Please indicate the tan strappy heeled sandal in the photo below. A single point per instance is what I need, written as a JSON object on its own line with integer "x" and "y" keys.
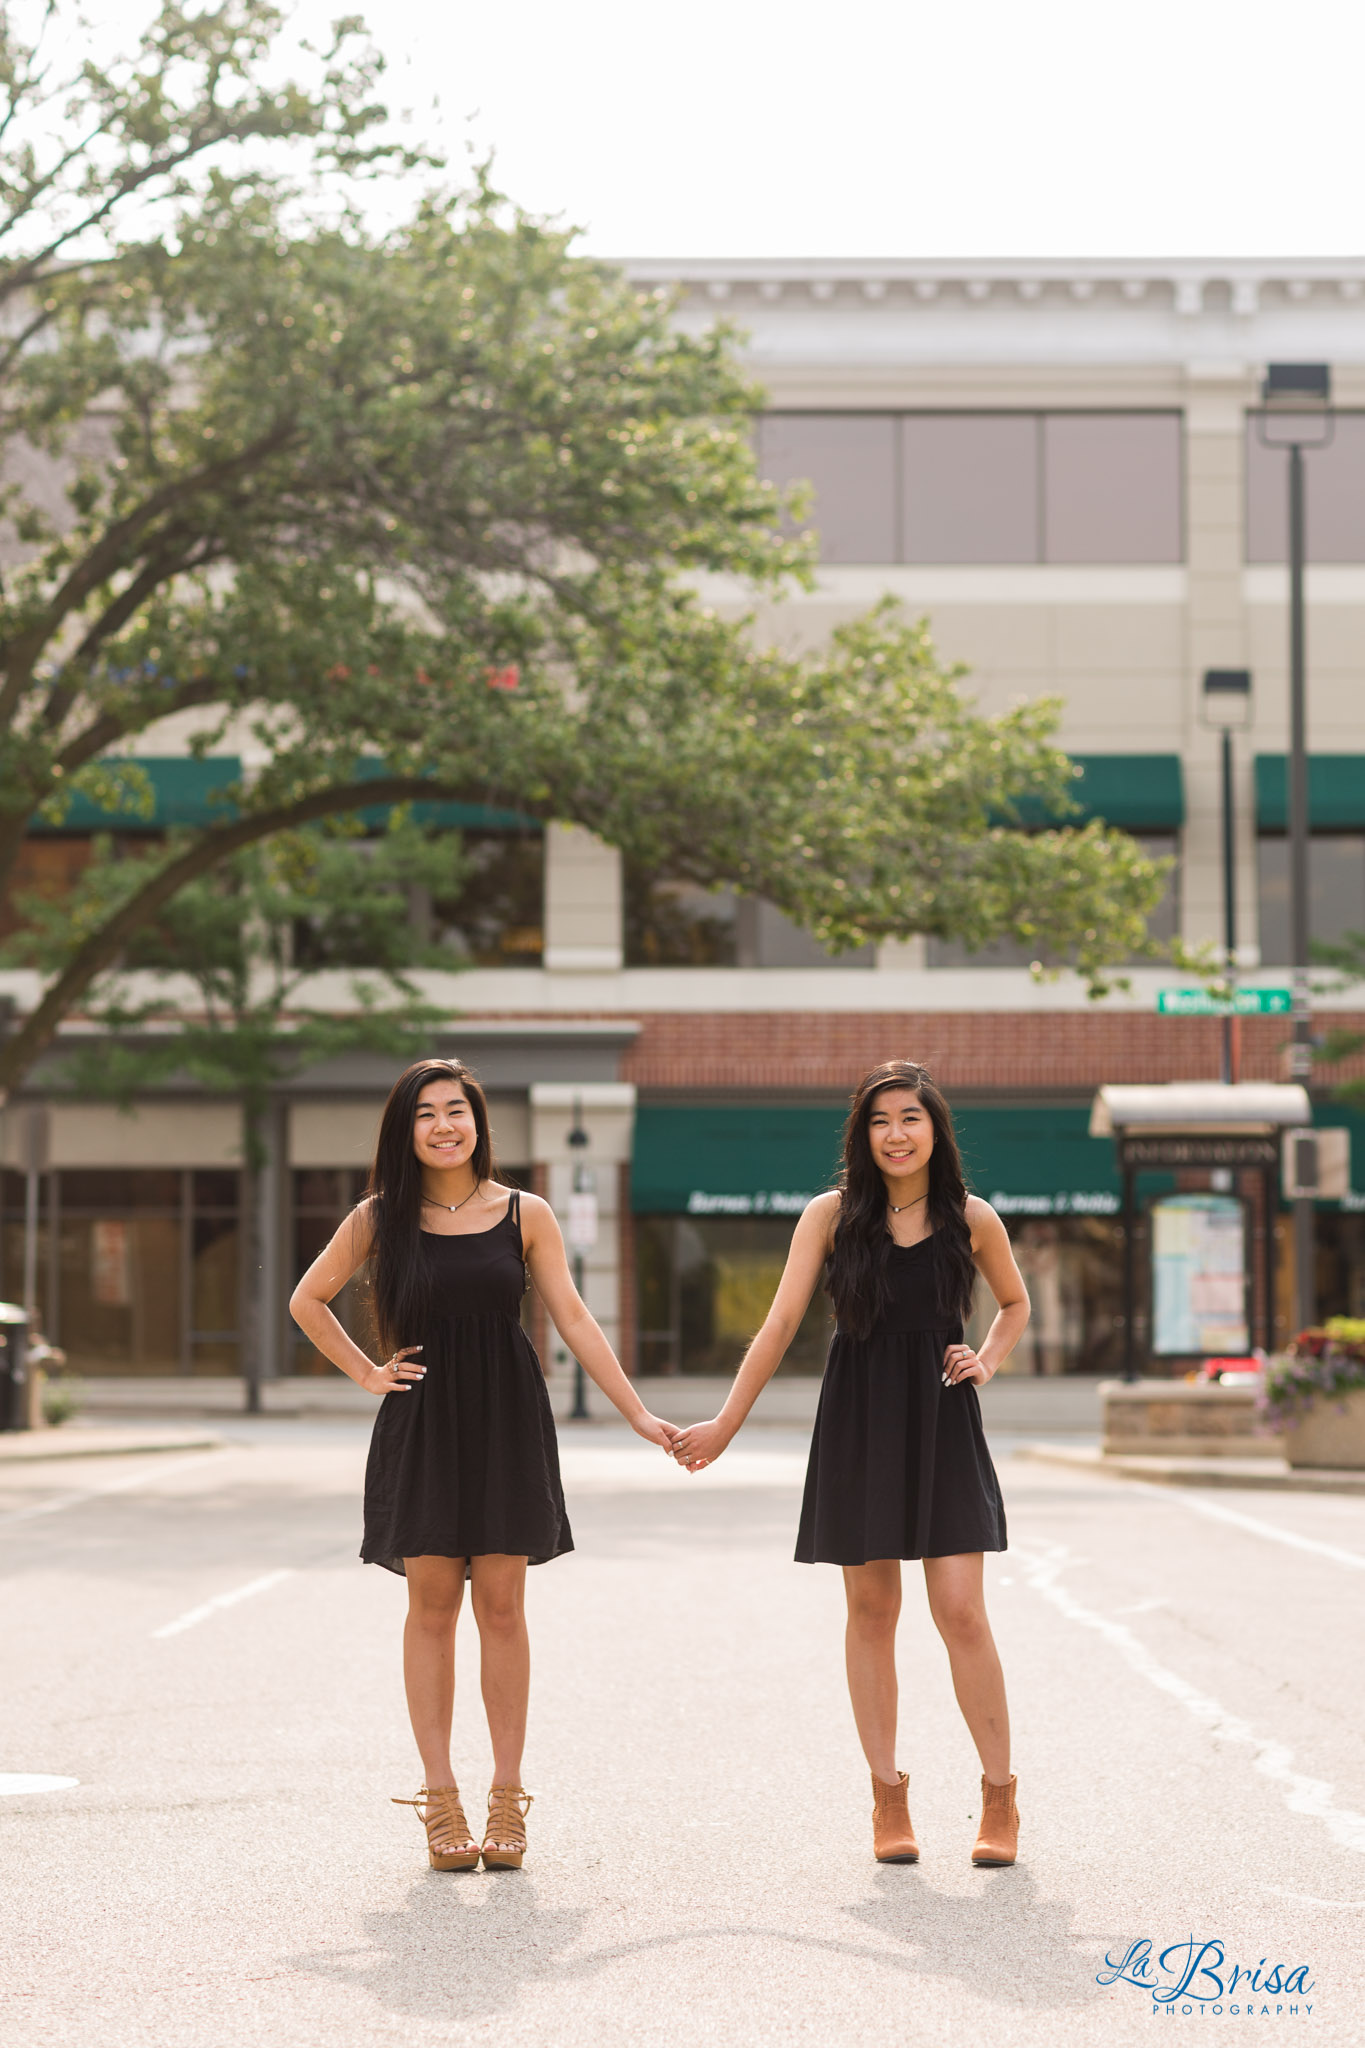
{"x": 507, "y": 1810}
{"x": 442, "y": 1815}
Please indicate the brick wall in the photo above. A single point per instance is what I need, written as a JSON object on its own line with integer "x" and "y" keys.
{"x": 1015, "y": 1050}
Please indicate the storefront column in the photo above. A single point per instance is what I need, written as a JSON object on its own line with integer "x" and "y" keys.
{"x": 273, "y": 1224}
{"x": 606, "y": 1111}
{"x": 583, "y": 903}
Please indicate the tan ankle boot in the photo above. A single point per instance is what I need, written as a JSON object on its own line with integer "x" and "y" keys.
{"x": 893, "y": 1838}
{"x": 997, "y": 1838}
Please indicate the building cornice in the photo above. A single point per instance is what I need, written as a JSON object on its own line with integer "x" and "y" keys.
{"x": 1237, "y": 283}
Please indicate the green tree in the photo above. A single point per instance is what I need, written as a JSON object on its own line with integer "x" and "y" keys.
{"x": 322, "y": 490}
{"x": 215, "y": 993}
{"x": 1346, "y": 956}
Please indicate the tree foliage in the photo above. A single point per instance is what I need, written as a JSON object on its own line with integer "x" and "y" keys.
{"x": 324, "y": 488}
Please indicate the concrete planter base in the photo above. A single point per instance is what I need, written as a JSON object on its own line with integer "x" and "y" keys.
{"x": 1181, "y": 1419}
{"x": 1331, "y": 1434}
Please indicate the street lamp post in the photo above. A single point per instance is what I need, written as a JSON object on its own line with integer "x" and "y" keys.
{"x": 582, "y": 1236}
{"x": 1227, "y": 709}
{"x": 1296, "y": 415}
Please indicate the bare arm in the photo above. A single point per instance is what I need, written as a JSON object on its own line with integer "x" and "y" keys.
{"x": 703, "y": 1442}
{"x": 544, "y": 1247}
{"x": 324, "y": 1280}
{"x": 996, "y": 1265}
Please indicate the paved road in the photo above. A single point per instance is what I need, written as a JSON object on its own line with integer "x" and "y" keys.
{"x": 1186, "y": 1676}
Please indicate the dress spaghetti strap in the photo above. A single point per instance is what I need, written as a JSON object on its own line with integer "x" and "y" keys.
{"x": 514, "y": 1212}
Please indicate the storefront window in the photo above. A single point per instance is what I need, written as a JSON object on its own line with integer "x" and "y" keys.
{"x": 704, "y": 1286}
{"x": 138, "y": 1271}
{"x": 323, "y": 1198}
{"x": 1072, "y": 1267}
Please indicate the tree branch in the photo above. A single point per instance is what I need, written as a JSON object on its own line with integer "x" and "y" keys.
{"x": 102, "y": 948}
{"x": 107, "y": 556}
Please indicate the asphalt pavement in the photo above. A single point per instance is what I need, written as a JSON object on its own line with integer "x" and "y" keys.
{"x": 190, "y": 1637}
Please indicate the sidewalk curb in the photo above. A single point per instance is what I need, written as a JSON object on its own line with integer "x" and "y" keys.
{"x": 1266, "y": 1474}
{"x": 38, "y": 1447}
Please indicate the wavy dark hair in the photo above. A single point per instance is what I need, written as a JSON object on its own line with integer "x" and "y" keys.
{"x": 858, "y": 1280}
{"x": 400, "y": 1275}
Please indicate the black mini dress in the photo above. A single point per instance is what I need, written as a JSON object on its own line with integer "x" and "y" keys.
{"x": 898, "y": 1462}
{"x": 467, "y": 1464}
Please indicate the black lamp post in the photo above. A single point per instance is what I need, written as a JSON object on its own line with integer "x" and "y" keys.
{"x": 579, "y": 1239}
{"x": 1296, "y": 415}
{"x": 1227, "y": 708}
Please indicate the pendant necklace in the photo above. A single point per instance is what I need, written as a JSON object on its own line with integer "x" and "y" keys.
{"x": 896, "y": 1207}
{"x": 452, "y": 1206}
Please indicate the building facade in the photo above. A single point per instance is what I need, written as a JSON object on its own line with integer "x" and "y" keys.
{"x": 1061, "y": 466}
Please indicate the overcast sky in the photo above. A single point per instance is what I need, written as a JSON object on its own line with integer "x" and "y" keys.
{"x": 898, "y": 127}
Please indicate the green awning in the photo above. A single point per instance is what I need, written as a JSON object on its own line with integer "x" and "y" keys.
{"x": 1137, "y": 792}
{"x": 186, "y": 791}
{"x": 1336, "y": 792}
{"x": 768, "y": 1160}
{"x": 729, "y": 1159}
{"x": 1326, "y": 1115}
{"x": 1038, "y": 1160}
{"x": 462, "y": 817}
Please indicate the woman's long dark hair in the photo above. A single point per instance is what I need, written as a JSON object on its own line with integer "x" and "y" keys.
{"x": 858, "y": 1281}
{"x": 401, "y": 1298}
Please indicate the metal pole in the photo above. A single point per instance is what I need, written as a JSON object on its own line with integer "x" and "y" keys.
{"x": 579, "y": 1411}
{"x": 1301, "y": 1050}
{"x": 35, "y": 1159}
{"x": 1230, "y": 1062}
{"x": 1129, "y": 1274}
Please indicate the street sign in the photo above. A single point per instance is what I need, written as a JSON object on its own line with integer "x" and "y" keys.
{"x": 1245, "y": 1002}
{"x": 1195, "y": 1148}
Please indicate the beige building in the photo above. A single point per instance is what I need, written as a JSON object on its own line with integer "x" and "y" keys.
{"x": 1060, "y": 465}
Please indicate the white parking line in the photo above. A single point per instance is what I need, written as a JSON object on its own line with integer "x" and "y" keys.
{"x": 1301, "y": 1794}
{"x": 198, "y": 1614}
{"x": 1216, "y": 1512}
{"x": 121, "y": 1485}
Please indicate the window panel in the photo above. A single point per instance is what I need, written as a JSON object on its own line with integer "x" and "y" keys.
{"x": 1336, "y": 890}
{"x": 1162, "y": 925}
{"x": 1334, "y": 496}
{"x": 850, "y": 458}
{"x": 969, "y": 487}
{"x": 764, "y": 937}
{"x": 1111, "y": 487}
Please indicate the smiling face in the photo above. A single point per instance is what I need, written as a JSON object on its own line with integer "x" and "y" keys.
{"x": 900, "y": 1133}
{"x": 444, "y": 1132}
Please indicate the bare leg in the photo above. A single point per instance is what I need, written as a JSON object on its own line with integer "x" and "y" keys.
{"x": 958, "y": 1604}
{"x": 873, "y": 1592}
{"x": 499, "y": 1588}
{"x": 435, "y": 1590}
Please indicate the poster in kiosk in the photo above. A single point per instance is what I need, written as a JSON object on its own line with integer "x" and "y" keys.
{"x": 1212, "y": 1279}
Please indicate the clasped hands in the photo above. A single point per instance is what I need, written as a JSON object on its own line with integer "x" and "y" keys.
{"x": 701, "y": 1443}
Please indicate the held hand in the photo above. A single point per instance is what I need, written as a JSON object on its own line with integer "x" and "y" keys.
{"x": 700, "y": 1444}
{"x": 961, "y": 1364}
{"x": 397, "y": 1374}
{"x": 654, "y": 1430}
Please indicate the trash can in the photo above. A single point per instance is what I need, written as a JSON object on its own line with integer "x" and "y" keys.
{"x": 14, "y": 1407}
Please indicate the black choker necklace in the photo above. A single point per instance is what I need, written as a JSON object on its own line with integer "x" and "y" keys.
{"x": 451, "y": 1206}
{"x": 896, "y": 1207}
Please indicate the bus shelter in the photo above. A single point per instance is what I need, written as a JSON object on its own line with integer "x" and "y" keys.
{"x": 1211, "y": 1249}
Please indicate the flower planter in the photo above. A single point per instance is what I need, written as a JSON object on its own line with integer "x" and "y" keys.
{"x": 1182, "y": 1419}
{"x": 1331, "y": 1433}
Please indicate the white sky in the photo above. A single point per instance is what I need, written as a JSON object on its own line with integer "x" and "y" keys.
{"x": 897, "y": 127}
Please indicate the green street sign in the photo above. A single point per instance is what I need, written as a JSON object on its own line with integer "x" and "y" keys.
{"x": 1246, "y": 1002}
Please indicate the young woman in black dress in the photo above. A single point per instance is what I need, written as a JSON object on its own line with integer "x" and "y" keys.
{"x": 463, "y": 1473}
{"x": 898, "y": 1465}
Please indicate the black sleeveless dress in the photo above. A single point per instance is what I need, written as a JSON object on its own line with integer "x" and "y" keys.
{"x": 898, "y": 1462}
{"x": 467, "y": 1464}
